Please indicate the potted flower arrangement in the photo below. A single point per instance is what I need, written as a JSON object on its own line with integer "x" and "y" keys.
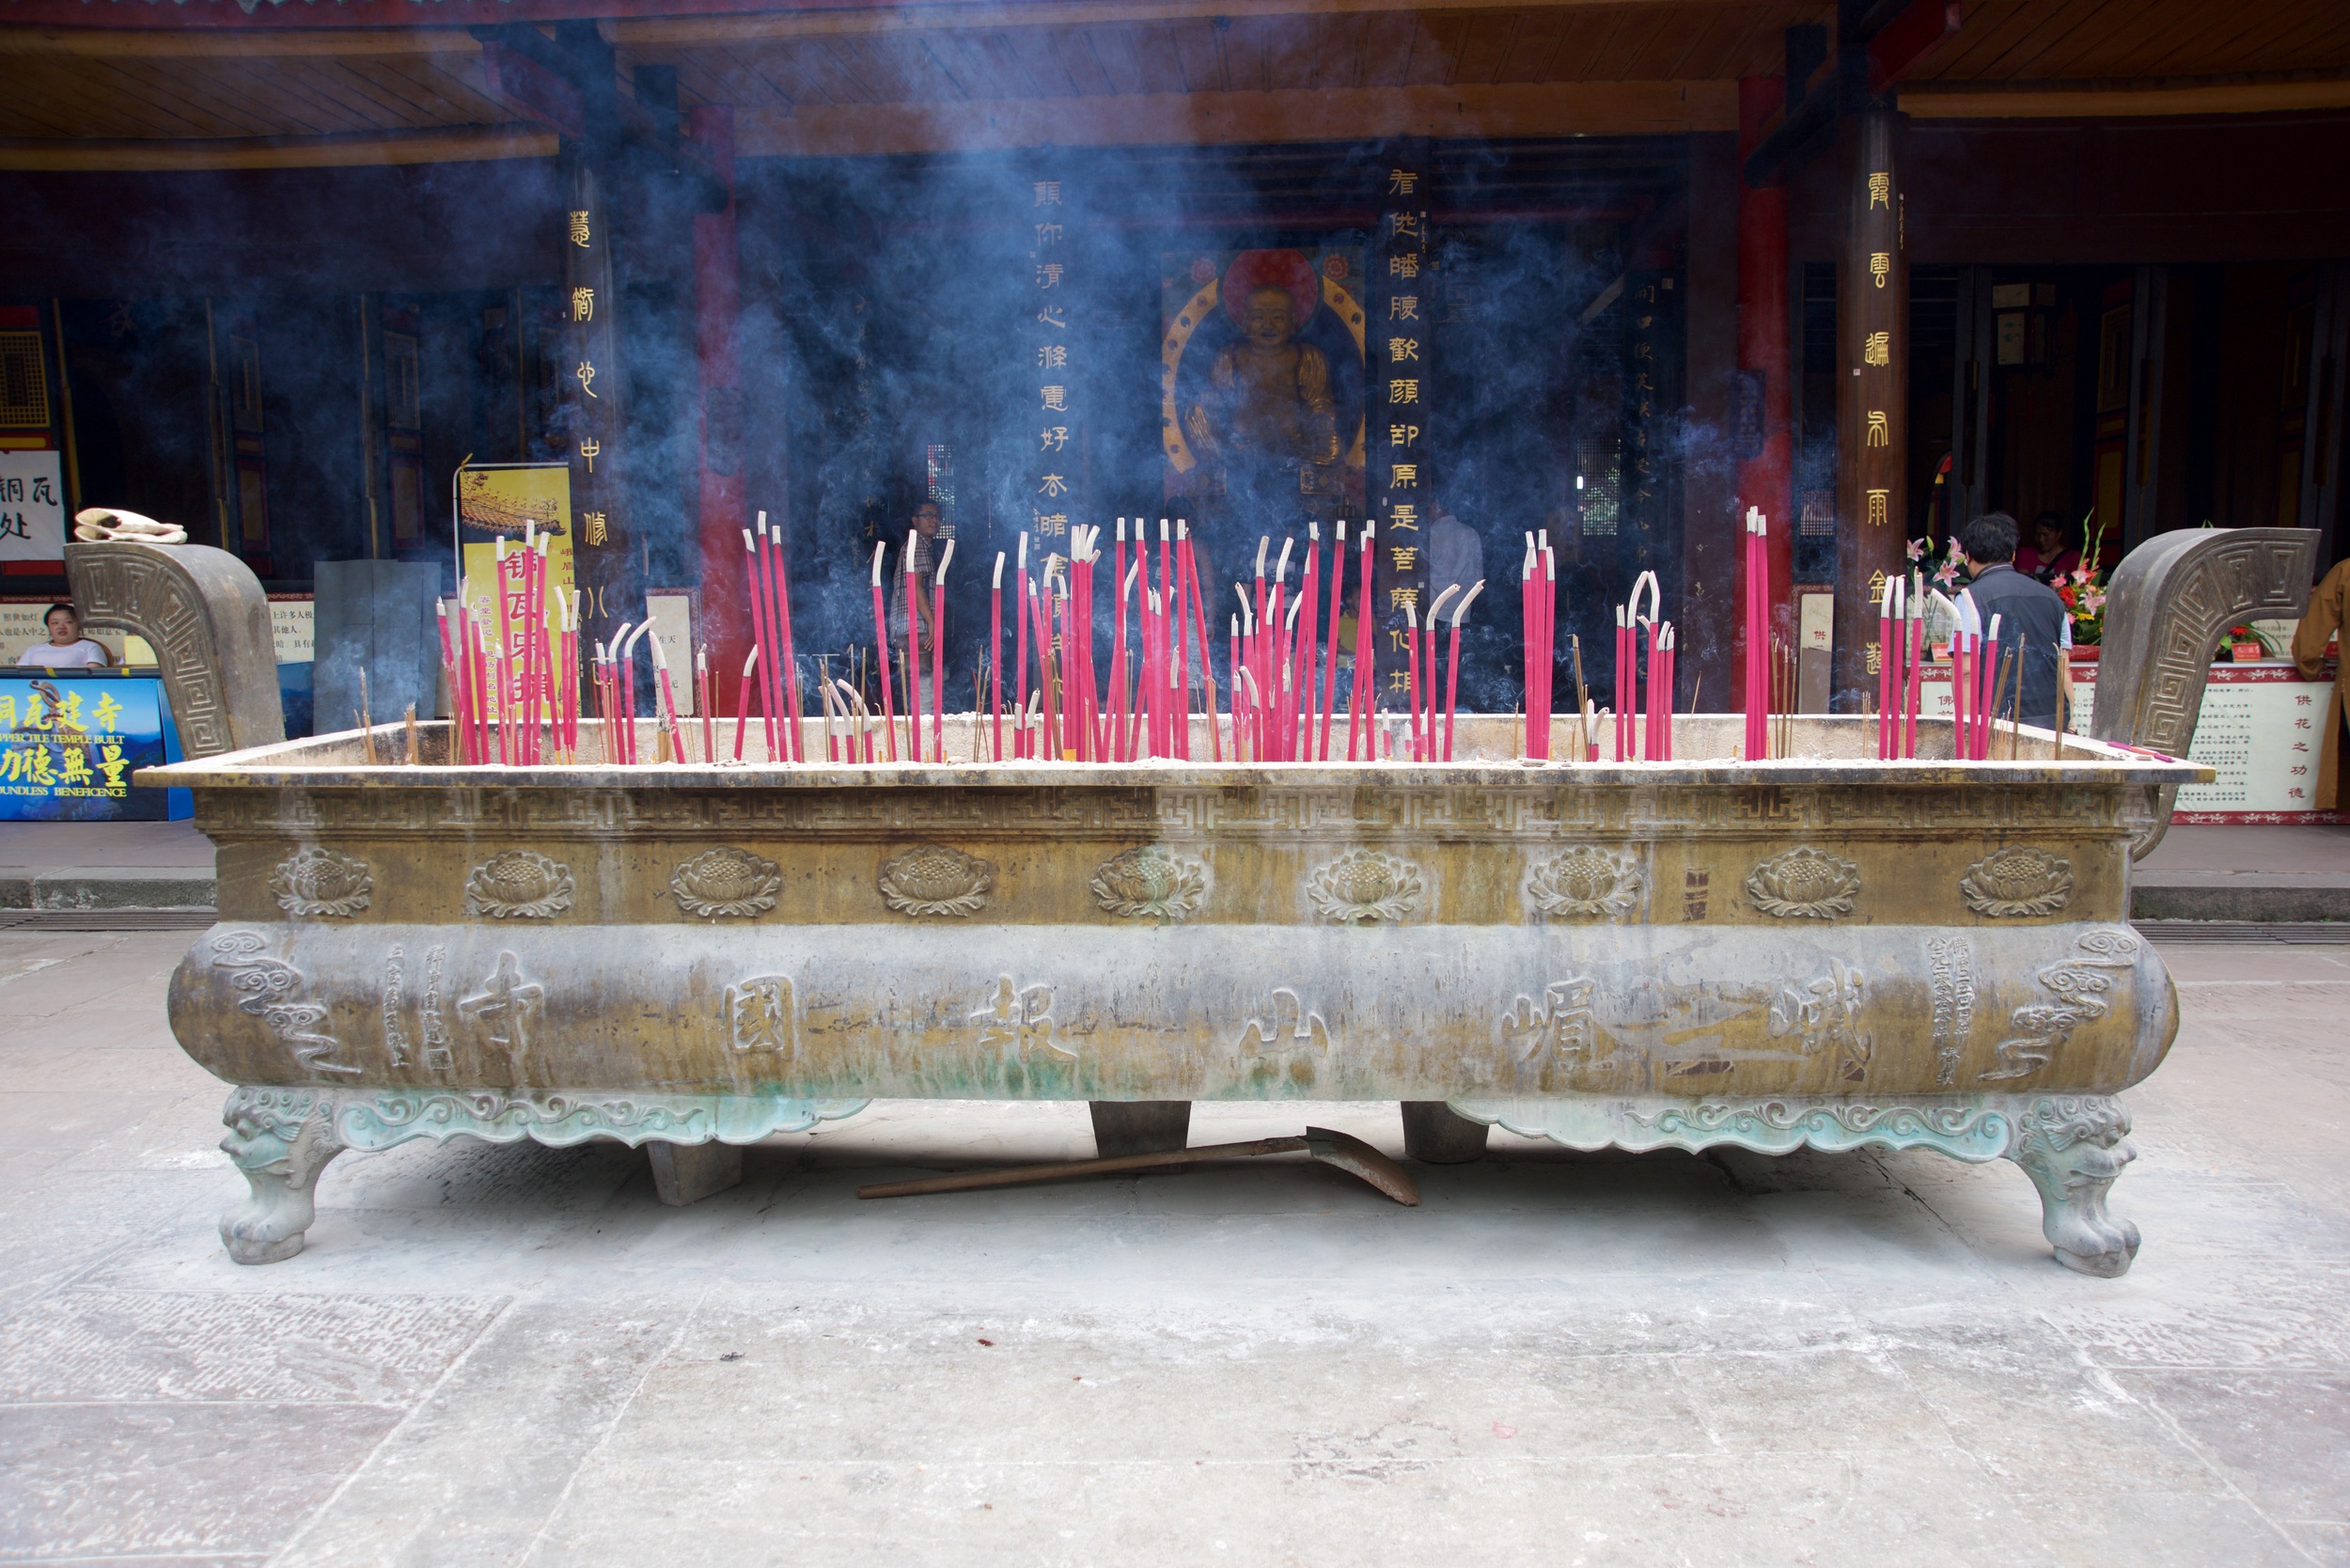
{"x": 2083, "y": 590}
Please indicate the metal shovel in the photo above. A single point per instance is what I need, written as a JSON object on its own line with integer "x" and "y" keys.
{"x": 1350, "y": 1154}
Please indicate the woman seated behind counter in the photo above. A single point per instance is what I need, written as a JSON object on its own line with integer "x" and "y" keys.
{"x": 65, "y": 649}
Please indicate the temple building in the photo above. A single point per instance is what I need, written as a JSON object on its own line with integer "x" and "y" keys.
{"x": 331, "y": 283}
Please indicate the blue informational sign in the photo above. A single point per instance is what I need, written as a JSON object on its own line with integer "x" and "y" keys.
{"x": 70, "y": 745}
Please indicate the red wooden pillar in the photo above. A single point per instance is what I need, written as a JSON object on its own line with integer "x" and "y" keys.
{"x": 1766, "y": 479}
{"x": 717, "y": 285}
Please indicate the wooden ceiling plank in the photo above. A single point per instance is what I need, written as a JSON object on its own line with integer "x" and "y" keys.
{"x": 1114, "y": 52}
{"x": 885, "y": 68}
{"x": 1337, "y": 49}
{"x": 1670, "y": 56}
{"x": 788, "y": 69}
{"x": 337, "y": 105}
{"x": 1535, "y": 46}
{"x": 1387, "y": 42}
{"x": 1614, "y": 62}
{"x": 834, "y": 80}
{"x": 1485, "y": 45}
{"x": 1074, "y": 51}
{"x": 409, "y": 104}
{"x": 965, "y": 57}
{"x": 1434, "y": 50}
{"x": 2069, "y": 35}
{"x": 714, "y": 76}
{"x": 867, "y": 76}
{"x": 2313, "y": 39}
{"x": 1202, "y": 62}
{"x": 2117, "y": 51}
{"x": 1033, "y": 48}
{"x": 69, "y": 100}
{"x": 1242, "y": 48}
{"x": 1155, "y": 61}
{"x": 1584, "y": 37}
{"x": 459, "y": 100}
{"x": 362, "y": 82}
{"x": 221, "y": 99}
{"x": 1991, "y": 31}
{"x": 1287, "y": 45}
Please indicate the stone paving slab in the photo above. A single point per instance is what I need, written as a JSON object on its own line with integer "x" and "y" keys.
{"x": 510, "y": 1355}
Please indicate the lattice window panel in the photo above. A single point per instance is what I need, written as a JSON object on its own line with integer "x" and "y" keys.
{"x": 23, "y": 381}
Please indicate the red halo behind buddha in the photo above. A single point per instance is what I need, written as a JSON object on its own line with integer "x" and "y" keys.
{"x": 1285, "y": 270}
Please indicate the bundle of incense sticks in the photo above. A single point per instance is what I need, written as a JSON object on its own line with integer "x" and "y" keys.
{"x": 1452, "y": 657}
{"x": 1975, "y": 684}
{"x": 1362, "y": 693}
{"x": 1901, "y": 641}
{"x": 1538, "y": 579}
{"x": 1632, "y": 630}
{"x": 1758, "y": 585}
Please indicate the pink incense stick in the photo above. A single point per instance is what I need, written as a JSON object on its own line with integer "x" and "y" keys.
{"x": 701, "y": 703}
{"x": 1362, "y": 646}
{"x": 1020, "y": 660}
{"x": 743, "y": 701}
{"x": 759, "y": 637}
{"x": 1330, "y": 644}
{"x": 780, "y": 616}
{"x": 995, "y": 653}
{"x": 1452, "y": 671}
{"x": 881, "y": 647}
{"x": 938, "y": 655}
{"x": 1916, "y": 661}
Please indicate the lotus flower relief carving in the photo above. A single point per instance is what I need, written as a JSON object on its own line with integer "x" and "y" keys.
{"x": 725, "y": 882}
{"x": 931, "y": 879}
{"x": 1586, "y": 881}
{"x": 518, "y": 884}
{"x": 1364, "y": 888}
{"x": 1151, "y": 883}
{"x": 321, "y": 882}
{"x": 1804, "y": 884}
{"x": 2017, "y": 882}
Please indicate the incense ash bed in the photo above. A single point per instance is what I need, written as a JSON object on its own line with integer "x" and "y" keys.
{"x": 1827, "y": 951}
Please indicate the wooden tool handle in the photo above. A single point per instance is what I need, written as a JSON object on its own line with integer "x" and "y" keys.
{"x": 1015, "y": 1175}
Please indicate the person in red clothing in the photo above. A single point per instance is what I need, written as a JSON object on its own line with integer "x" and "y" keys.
{"x": 2047, "y": 555}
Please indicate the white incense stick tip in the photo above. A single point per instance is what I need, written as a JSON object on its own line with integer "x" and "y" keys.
{"x": 751, "y": 663}
{"x": 1541, "y": 538}
{"x": 1371, "y": 527}
{"x": 944, "y": 556}
{"x": 1314, "y": 531}
{"x": 1163, "y": 534}
{"x": 1263, "y": 540}
{"x": 1023, "y": 550}
{"x": 763, "y": 519}
{"x": 1281, "y": 571}
{"x": 999, "y": 568}
{"x": 878, "y": 550}
{"x": 1462, "y": 614}
{"x": 1236, "y": 626}
{"x": 1121, "y": 530}
{"x": 1182, "y": 529}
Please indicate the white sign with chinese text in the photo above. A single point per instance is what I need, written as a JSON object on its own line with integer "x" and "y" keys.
{"x": 32, "y": 508}
{"x": 2258, "y": 731}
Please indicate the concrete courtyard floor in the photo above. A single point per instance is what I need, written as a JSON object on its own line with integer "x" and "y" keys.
{"x": 509, "y": 1354}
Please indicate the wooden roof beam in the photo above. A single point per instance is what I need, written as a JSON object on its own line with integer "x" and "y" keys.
{"x": 1212, "y": 119}
{"x": 470, "y": 144}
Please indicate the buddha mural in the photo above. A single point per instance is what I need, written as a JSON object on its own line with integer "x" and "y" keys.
{"x": 1264, "y": 432}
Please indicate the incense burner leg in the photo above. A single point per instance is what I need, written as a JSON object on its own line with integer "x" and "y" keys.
{"x": 1140, "y": 1126}
{"x": 2074, "y": 1147}
{"x": 281, "y": 1139}
{"x": 1435, "y": 1134}
{"x": 686, "y": 1174}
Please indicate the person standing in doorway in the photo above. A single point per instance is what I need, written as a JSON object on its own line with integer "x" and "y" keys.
{"x": 924, "y": 545}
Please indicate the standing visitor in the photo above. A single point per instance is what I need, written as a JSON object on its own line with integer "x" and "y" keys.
{"x": 2034, "y": 620}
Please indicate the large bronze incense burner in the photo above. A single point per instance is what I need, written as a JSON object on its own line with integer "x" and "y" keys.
{"x": 1828, "y": 950}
